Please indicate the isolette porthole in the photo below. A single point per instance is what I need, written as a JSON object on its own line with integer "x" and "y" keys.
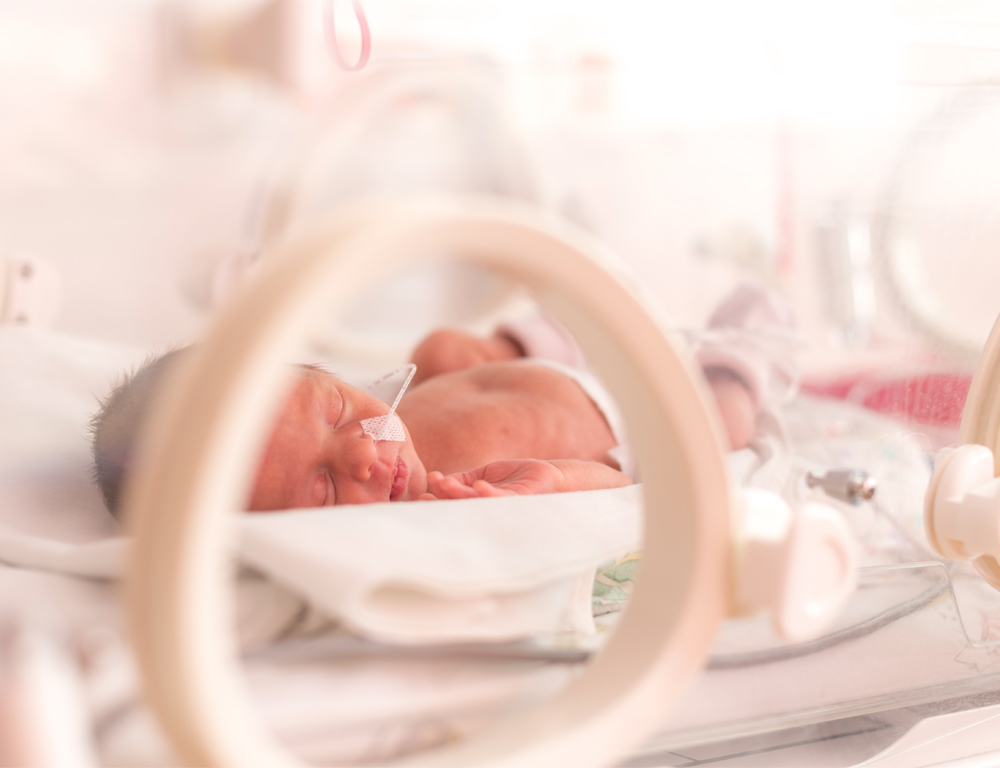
{"x": 960, "y": 498}
{"x": 178, "y": 585}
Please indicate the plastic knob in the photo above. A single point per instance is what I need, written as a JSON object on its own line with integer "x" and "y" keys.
{"x": 962, "y": 506}
{"x": 800, "y": 566}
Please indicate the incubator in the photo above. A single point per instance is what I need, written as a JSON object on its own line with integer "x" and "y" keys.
{"x": 286, "y": 190}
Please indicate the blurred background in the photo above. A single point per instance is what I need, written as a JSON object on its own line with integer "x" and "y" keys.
{"x": 844, "y": 153}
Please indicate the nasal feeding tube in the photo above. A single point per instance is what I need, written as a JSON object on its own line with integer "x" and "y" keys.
{"x": 388, "y": 427}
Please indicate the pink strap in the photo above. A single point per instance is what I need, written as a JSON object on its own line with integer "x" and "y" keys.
{"x": 334, "y": 46}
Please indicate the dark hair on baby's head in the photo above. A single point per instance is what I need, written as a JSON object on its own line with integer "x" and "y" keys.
{"x": 116, "y": 425}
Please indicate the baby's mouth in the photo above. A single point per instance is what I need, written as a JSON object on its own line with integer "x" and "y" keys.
{"x": 399, "y": 477}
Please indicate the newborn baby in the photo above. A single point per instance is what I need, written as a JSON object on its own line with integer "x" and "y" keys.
{"x": 479, "y": 421}
{"x": 509, "y": 414}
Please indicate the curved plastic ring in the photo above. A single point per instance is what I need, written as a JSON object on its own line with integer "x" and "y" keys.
{"x": 981, "y": 426}
{"x": 334, "y": 46}
{"x": 207, "y": 432}
{"x": 909, "y": 295}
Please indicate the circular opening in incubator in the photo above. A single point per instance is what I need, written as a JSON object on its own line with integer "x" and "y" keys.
{"x": 202, "y": 442}
{"x": 935, "y": 231}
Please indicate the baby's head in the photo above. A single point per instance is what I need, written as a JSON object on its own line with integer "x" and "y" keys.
{"x": 317, "y": 455}
{"x": 115, "y": 426}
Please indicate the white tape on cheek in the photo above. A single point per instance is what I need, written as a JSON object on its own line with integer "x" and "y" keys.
{"x": 388, "y": 427}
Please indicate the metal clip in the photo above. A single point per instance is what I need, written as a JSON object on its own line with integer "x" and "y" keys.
{"x": 850, "y": 485}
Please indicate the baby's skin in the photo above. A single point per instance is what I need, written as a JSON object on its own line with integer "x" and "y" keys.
{"x": 479, "y": 421}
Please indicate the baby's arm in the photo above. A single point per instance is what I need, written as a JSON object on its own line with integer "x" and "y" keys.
{"x": 748, "y": 356}
{"x": 524, "y": 477}
{"x": 449, "y": 350}
{"x": 736, "y": 405}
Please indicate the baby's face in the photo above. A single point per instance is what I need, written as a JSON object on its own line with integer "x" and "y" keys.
{"x": 318, "y": 455}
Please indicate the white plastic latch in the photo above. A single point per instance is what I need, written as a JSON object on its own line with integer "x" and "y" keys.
{"x": 962, "y": 505}
{"x": 800, "y": 566}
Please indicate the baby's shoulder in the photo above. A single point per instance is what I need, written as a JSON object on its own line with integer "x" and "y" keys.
{"x": 523, "y": 375}
{"x": 503, "y": 386}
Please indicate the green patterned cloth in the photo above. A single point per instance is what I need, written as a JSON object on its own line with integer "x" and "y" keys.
{"x": 614, "y": 583}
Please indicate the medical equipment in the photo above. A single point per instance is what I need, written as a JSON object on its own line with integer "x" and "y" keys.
{"x": 851, "y": 485}
{"x": 180, "y": 529}
{"x": 940, "y": 198}
{"x": 883, "y": 262}
{"x": 30, "y": 292}
{"x": 285, "y": 43}
{"x": 432, "y": 125}
{"x": 845, "y": 254}
{"x": 961, "y": 510}
{"x": 389, "y": 427}
{"x": 334, "y": 45}
{"x": 903, "y": 598}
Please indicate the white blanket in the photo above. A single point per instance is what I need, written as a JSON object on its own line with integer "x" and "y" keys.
{"x": 446, "y": 571}
{"x": 480, "y": 569}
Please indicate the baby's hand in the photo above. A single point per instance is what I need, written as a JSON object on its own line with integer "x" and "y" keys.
{"x": 735, "y": 406}
{"x": 498, "y": 478}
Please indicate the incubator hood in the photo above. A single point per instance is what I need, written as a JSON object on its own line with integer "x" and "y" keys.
{"x": 706, "y": 554}
{"x": 709, "y": 557}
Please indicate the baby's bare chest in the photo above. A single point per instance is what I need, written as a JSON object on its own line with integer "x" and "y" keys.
{"x": 503, "y": 411}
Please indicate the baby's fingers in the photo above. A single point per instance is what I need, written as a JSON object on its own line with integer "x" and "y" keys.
{"x": 485, "y": 488}
{"x": 456, "y": 489}
{"x": 436, "y": 486}
{"x": 450, "y": 487}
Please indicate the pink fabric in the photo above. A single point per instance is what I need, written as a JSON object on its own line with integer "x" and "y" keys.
{"x": 749, "y": 335}
{"x": 934, "y": 398}
{"x": 543, "y": 337}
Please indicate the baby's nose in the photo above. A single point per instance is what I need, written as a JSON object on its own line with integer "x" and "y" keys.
{"x": 359, "y": 455}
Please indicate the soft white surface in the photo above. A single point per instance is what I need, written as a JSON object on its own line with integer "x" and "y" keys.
{"x": 444, "y": 571}
{"x": 450, "y": 570}
{"x": 50, "y": 385}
